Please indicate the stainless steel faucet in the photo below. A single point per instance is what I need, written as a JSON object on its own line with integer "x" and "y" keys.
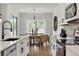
{"x": 5, "y": 28}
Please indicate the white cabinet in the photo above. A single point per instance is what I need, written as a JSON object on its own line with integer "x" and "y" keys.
{"x": 26, "y": 46}
{"x": 72, "y": 50}
{"x": 18, "y": 48}
{"x": 10, "y": 51}
{"x": 70, "y": 53}
{"x": 22, "y": 48}
{"x": 53, "y": 47}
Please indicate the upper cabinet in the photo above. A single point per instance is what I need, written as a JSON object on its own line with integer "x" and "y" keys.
{"x": 71, "y": 14}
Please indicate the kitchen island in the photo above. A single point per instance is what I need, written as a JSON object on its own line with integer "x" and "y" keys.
{"x": 21, "y": 45}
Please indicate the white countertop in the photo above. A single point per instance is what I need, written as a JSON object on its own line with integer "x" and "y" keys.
{"x": 73, "y": 48}
{"x": 65, "y": 38}
{"x": 68, "y": 38}
{"x": 6, "y": 44}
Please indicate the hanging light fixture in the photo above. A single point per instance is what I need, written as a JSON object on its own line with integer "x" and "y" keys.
{"x": 34, "y": 15}
{"x": 35, "y": 22}
{"x": 34, "y": 18}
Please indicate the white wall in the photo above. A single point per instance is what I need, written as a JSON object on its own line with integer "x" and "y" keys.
{"x": 46, "y": 16}
{"x": 59, "y": 12}
{"x": 11, "y": 11}
{"x": 3, "y": 11}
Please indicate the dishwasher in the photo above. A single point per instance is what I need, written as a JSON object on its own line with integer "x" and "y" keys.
{"x": 10, "y": 51}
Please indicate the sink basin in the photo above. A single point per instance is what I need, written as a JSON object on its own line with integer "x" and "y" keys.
{"x": 11, "y": 39}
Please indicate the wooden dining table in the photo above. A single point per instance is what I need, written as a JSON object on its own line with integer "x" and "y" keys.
{"x": 38, "y": 39}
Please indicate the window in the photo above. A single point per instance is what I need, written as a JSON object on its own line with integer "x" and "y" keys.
{"x": 13, "y": 21}
{"x": 40, "y": 24}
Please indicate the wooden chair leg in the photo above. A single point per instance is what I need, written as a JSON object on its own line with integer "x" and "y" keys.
{"x": 40, "y": 44}
{"x": 46, "y": 44}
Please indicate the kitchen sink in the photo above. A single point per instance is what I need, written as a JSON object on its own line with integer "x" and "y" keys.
{"x": 11, "y": 39}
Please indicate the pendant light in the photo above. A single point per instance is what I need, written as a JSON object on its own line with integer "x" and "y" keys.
{"x": 34, "y": 18}
{"x": 35, "y": 23}
{"x": 34, "y": 15}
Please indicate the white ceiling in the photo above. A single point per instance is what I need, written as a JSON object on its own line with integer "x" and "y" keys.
{"x": 40, "y": 7}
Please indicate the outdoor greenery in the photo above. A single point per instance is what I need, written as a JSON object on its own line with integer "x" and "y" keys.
{"x": 31, "y": 24}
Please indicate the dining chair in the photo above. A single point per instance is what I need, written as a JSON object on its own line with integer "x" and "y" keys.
{"x": 43, "y": 39}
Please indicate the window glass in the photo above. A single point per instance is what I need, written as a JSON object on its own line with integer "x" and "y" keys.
{"x": 13, "y": 21}
{"x": 39, "y": 24}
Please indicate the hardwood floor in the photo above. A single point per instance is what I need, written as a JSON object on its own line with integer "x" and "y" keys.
{"x": 40, "y": 51}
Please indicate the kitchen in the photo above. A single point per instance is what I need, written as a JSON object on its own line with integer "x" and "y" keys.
{"x": 14, "y": 30}
{"x": 18, "y": 22}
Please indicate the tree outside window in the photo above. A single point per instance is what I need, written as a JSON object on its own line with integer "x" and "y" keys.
{"x": 13, "y": 21}
{"x": 40, "y": 25}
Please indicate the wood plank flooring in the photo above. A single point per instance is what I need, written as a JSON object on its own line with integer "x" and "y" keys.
{"x": 40, "y": 51}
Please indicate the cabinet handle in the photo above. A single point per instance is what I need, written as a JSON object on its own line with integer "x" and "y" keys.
{"x": 21, "y": 50}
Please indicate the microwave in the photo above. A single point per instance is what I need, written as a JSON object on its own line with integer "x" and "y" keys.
{"x": 72, "y": 11}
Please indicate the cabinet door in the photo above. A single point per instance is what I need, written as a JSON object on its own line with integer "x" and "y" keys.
{"x": 70, "y": 53}
{"x": 18, "y": 48}
{"x": 26, "y": 46}
{"x": 22, "y": 52}
{"x": 22, "y": 47}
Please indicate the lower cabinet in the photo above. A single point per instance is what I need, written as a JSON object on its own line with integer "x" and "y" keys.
{"x": 72, "y": 50}
{"x": 22, "y": 47}
{"x": 10, "y": 51}
{"x": 53, "y": 50}
{"x": 69, "y": 52}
